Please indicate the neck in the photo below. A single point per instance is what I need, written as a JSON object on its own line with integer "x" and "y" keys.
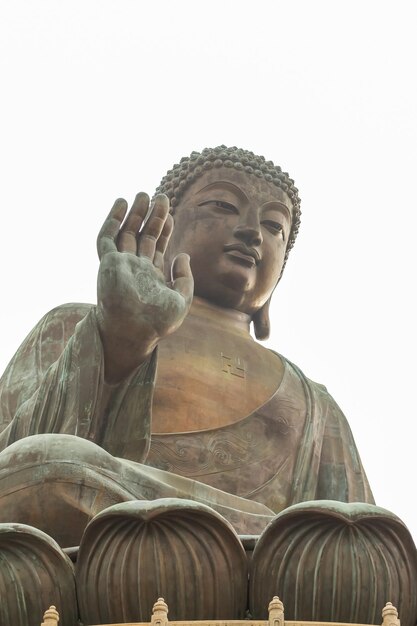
{"x": 220, "y": 318}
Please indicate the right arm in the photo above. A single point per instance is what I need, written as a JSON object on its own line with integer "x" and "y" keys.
{"x": 100, "y": 387}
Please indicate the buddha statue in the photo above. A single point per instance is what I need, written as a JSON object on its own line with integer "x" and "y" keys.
{"x": 159, "y": 391}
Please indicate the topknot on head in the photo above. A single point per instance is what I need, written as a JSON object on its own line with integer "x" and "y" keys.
{"x": 189, "y": 168}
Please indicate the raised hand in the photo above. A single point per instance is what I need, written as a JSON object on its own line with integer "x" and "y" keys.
{"x": 136, "y": 307}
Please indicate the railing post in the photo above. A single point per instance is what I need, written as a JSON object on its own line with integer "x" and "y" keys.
{"x": 50, "y": 617}
{"x": 390, "y": 615}
{"x": 276, "y": 612}
{"x": 159, "y": 613}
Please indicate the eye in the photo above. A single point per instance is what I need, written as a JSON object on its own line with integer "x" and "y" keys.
{"x": 223, "y": 206}
{"x": 274, "y": 227}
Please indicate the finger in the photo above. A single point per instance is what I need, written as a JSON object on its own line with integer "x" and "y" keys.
{"x": 126, "y": 241}
{"x": 106, "y": 240}
{"x": 153, "y": 228}
{"x": 161, "y": 244}
{"x": 165, "y": 236}
{"x": 182, "y": 278}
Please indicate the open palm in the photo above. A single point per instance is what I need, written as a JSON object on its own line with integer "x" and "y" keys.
{"x": 136, "y": 307}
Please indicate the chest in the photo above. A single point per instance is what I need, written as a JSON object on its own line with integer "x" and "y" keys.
{"x": 209, "y": 380}
{"x": 253, "y": 458}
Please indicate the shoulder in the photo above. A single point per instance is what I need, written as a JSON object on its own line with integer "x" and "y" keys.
{"x": 69, "y": 314}
{"x": 317, "y": 392}
{"x": 45, "y": 342}
{"x": 55, "y": 326}
{"x": 295, "y": 369}
{"x": 42, "y": 346}
{"x": 50, "y": 335}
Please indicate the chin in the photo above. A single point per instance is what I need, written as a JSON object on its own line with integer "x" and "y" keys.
{"x": 231, "y": 293}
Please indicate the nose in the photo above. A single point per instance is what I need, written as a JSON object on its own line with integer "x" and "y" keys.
{"x": 249, "y": 230}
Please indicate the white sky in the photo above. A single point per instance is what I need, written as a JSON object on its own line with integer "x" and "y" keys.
{"x": 99, "y": 98}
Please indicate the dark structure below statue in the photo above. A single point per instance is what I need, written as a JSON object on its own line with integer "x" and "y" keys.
{"x": 159, "y": 391}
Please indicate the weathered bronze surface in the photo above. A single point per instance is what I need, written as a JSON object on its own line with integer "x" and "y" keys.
{"x": 33, "y": 570}
{"x": 312, "y": 549}
{"x": 226, "y": 412}
{"x": 229, "y": 424}
{"x": 141, "y": 550}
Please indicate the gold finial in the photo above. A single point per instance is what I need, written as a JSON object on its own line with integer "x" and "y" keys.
{"x": 159, "y": 613}
{"x": 276, "y": 612}
{"x": 50, "y": 617}
{"x": 390, "y": 615}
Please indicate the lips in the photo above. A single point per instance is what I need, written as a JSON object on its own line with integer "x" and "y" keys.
{"x": 248, "y": 256}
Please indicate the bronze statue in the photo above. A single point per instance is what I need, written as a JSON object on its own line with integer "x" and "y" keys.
{"x": 229, "y": 424}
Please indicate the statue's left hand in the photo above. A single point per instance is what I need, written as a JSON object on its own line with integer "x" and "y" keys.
{"x": 136, "y": 306}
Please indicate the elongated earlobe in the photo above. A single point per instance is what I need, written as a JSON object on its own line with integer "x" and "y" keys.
{"x": 261, "y": 323}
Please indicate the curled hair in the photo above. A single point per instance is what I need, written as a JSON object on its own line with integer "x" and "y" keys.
{"x": 189, "y": 168}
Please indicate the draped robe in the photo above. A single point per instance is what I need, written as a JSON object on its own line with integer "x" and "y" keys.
{"x": 93, "y": 444}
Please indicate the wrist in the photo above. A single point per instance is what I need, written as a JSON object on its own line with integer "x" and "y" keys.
{"x": 123, "y": 349}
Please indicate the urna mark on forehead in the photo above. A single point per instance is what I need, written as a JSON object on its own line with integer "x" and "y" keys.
{"x": 183, "y": 174}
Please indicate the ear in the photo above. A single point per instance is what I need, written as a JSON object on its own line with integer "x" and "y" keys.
{"x": 261, "y": 323}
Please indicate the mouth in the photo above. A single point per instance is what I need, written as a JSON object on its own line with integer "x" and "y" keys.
{"x": 243, "y": 254}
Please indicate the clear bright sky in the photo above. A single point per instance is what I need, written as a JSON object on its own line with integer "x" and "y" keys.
{"x": 101, "y": 97}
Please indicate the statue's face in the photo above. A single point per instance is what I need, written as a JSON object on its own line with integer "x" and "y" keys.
{"x": 235, "y": 227}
